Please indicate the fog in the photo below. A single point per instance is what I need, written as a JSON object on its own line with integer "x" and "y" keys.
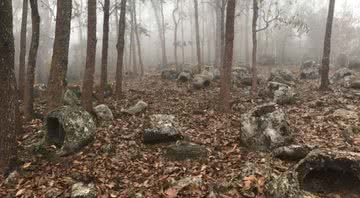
{"x": 290, "y": 43}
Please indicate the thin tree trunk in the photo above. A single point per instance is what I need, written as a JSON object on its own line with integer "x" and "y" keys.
{"x": 132, "y": 40}
{"x": 225, "y": 95}
{"x": 59, "y": 63}
{"x": 218, "y": 33}
{"x": 175, "y": 31}
{"x": 182, "y": 36}
{"x": 88, "y": 83}
{"x": 120, "y": 48}
{"x": 222, "y": 32}
{"x": 141, "y": 64}
{"x": 197, "y": 32}
{"x": 105, "y": 50}
{"x": 247, "y": 46}
{"x": 8, "y": 98}
{"x": 30, "y": 77}
{"x": 254, "y": 52}
{"x": 327, "y": 48}
{"x": 23, "y": 49}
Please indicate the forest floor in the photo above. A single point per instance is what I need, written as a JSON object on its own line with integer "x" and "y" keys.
{"x": 138, "y": 170}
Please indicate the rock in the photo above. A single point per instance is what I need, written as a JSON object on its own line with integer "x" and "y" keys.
{"x": 282, "y": 76}
{"x": 169, "y": 74}
{"x": 265, "y": 128}
{"x": 137, "y": 108}
{"x": 200, "y": 82}
{"x": 184, "y": 150}
{"x": 346, "y": 114}
{"x": 40, "y": 90}
{"x": 12, "y": 179}
{"x": 342, "y": 75}
{"x": 70, "y": 98}
{"x": 69, "y": 129}
{"x": 309, "y": 70}
{"x": 163, "y": 128}
{"x": 184, "y": 77}
{"x": 242, "y": 76}
{"x": 76, "y": 89}
{"x": 321, "y": 171}
{"x": 292, "y": 152}
{"x": 107, "y": 148}
{"x": 81, "y": 190}
{"x": 355, "y": 84}
{"x": 284, "y": 95}
{"x": 103, "y": 112}
{"x": 352, "y": 134}
{"x": 177, "y": 186}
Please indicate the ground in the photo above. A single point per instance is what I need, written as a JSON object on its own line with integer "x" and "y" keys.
{"x": 134, "y": 169}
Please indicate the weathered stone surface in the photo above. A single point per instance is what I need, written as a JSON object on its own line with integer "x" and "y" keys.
{"x": 139, "y": 107}
{"x": 76, "y": 89}
{"x": 265, "y": 128}
{"x": 200, "y": 82}
{"x": 169, "y": 74}
{"x": 69, "y": 128}
{"x": 184, "y": 77}
{"x": 292, "y": 152}
{"x": 242, "y": 76}
{"x": 282, "y": 76}
{"x": 282, "y": 93}
{"x": 185, "y": 150}
{"x": 309, "y": 70}
{"x": 322, "y": 171}
{"x": 70, "y": 98}
{"x": 81, "y": 190}
{"x": 103, "y": 112}
{"x": 343, "y": 76}
{"x": 12, "y": 179}
{"x": 163, "y": 128}
{"x": 53, "y": 193}
{"x": 352, "y": 134}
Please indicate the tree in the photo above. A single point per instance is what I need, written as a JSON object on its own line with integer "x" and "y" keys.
{"x": 160, "y": 21}
{"x": 30, "y": 77}
{"x": 228, "y": 58}
{"x": 59, "y": 62}
{"x": 88, "y": 83}
{"x": 23, "y": 49}
{"x": 327, "y": 48}
{"x": 254, "y": 51}
{"x": 120, "y": 49}
{"x": 176, "y": 24}
{"x": 8, "y": 98}
{"x": 197, "y": 32}
{"x": 105, "y": 47}
{"x": 138, "y": 40}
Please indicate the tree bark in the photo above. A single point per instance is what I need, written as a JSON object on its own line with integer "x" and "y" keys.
{"x": 120, "y": 49}
{"x": 254, "y": 51}
{"x": 222, "y": 32}
{"x": 8, "y": 98}
{"x": 141, "y": 64}
{"x": 132, "y": 40}
{"x": 105, "y": 48}
{"x": 30, "y": 77}
{"x": 59, "y": 63}
{"x": 197, "y": 32}
{"x": 327, "y": 48}
{"x": 247, "y": 20}
{"x": 176, "y": 22}
{"x": 23, "y": 49}
{"x": 88, "y": 83}
{"x": 225, "y": 95}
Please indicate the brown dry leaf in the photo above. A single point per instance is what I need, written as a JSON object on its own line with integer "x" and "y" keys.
{"x": 20, "y": 192}
{"x": 171, "y": 193}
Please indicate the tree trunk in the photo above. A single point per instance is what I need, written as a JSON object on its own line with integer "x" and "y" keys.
{"x": 254, "y": 52}
{"x": 228, "y": 58}
{"x": 182, "y": 36}
{"x": 218, "y": 33}
{"x": 88, "y": 83}
{"x": 120, "y": 49}
{"x": 138, "y": 42}
{"x": 327, "y": 48}
{"x": 175, "y": 31}
{"x": 8, "y": 98}
{"x": 30, "y": 77}
{"x": 23, "y": 49}
{"x": 105, "y": 48}
{"x": 247, "y": 20}
{"x": 197, "y": 32}
{"x": 222, "y": 32}
{"x": 132, "y": 40}
{"x": 59, "y": 63}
